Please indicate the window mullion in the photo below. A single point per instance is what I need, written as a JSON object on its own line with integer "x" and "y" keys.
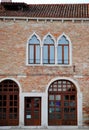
{"x": 68, "y": 54}
{"x": 41, "y": 54}
{"x": 62, "y": 54}
{"x": 48, "y": 54}
{"x": 34, "y": 54}
{"x": 28, "y": 53}
{"x": 56, "y": 56}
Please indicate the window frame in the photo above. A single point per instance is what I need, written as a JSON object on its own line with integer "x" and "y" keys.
{"x": 63, "y": 51}
{"x": 34, "y": 56}
{"x": 34, "y": 50}
{"x": 69, "y": 50}
{"x": 49, "y": 54}
{"x": 41, "y": 63}
{"x": 49, "y": 49}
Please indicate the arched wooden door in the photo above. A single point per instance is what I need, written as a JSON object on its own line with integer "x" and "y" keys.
{"x": 9, "y": 103}
{"x": 62, "y": 103}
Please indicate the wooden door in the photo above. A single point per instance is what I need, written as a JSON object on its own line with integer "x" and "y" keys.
{"x": 32, "y": 111}
{"x": 9, "y": 103}
{"x": 62, "y": 103}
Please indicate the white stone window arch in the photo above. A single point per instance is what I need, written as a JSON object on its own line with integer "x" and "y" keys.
{"x": 48, "y": 50}
{"x": 64, "y": 50}
{"x": 33, "y": 49}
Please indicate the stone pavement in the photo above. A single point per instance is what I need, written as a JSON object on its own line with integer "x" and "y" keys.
{"x": 48, "y": 129}
{"x": 61, "y": 128}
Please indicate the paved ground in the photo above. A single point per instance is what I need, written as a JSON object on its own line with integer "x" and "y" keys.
{"x": 44, "y": 129}
{"x": 55, "y": 129}
{"x": 50, "y": 129}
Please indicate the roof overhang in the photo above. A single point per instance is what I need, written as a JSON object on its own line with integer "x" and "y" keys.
{"x": 43, "y": 19}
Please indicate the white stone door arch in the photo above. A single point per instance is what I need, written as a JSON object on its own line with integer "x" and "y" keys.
{"x": 79, "y": 101}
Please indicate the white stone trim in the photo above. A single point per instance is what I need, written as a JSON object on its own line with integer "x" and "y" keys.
{"x": 44, "y": 19}
{"x": 43, "y": 102}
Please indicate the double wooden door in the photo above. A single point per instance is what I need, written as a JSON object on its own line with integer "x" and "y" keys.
{"x": 9, "y": 103}
{"x": 33, "y": 111}
{"x": 62, "y": 103}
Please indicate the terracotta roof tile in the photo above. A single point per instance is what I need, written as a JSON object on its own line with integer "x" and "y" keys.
{"x": 45, "y": 10}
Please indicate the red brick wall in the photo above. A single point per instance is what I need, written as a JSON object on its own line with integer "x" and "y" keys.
{"x": 13, "y": 41}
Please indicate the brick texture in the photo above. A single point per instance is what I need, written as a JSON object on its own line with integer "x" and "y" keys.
{"x": 13, "y": 42}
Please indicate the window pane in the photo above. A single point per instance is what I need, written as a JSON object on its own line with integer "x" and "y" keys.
{"x": 36, "y": 114}
{"x": 72, "y": 97}
{"x": 63, "y": 40}
{"x": 31, "y": 54}
{"x": 51, "y": 97}
{"x": 51, "y": 116}
{"x": 45, "y": 54}
{"x": 58, "y": 97}
{"x": 72, "y": 103}
{"x": 59, "y": 54}
{"x": 52, "y": 54}
{"x": 48, "y": 40}
{"x": 72, "y": 110}
{"x": 34, "y": 40}
{"x": 51, "y": 110}
{"x": 58, "y": 109}
{"x": 66, "y": 103}
{"x": 51, "y": 103}
{"x": 66, "y": 97}
{"x": 66, "y": 117}
{"x": 58, "y": 116}
{"x": 37, "y": 54}
{"x": 58, "y": 103}
{"x": 66, "y": 109}
{"x": 65, "y": 54}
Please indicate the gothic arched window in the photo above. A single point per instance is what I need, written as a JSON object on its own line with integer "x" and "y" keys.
{"x": 48, "y": 50}
{"x": 63, "y": 50}
{"x": 34, "y": 50}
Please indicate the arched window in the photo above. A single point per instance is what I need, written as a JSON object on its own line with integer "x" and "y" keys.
{"x": 34, "y": 50}
{"x": 63, "y": 50}
{"x": 48, "y": 50}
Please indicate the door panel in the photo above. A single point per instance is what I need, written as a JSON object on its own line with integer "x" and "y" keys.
{"x": 9, "y": 103}
{"x": 55, "y": 108}
{"x": 62, "y": 103}
{"x": 32, "y": 111}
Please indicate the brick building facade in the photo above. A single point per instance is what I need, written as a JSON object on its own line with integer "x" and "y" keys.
{"x": 44, "y": 65}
